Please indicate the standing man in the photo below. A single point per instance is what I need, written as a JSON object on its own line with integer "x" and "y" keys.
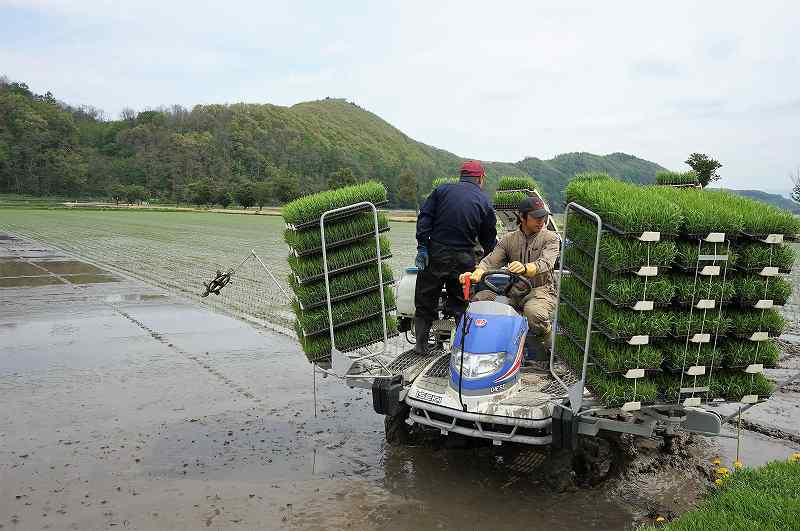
{"x": 453, "y": 220}
{"x": 531, "y": 251}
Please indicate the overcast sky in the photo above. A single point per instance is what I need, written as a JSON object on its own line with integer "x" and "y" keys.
{"x": 491, "y": 80}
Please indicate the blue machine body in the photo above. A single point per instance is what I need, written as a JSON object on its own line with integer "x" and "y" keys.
{"x": 489, "y": 334}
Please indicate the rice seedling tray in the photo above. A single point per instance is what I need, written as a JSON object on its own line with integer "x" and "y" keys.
{"x": 756, "y": 256}
{"x": 337, "y": 326}
{"x": 608, "y": 334}
{"x": 610, "y": 300}
{"x": 306, "y": 211}
{"x": 514, "y": 183}
{"x": 337, "y": 244}
{"x": 769, "y": 238}
{"x": 341, "y": 286}
{"x": 335, "y": 216}
{"x": 636, "y": 269}
{"x": 350, "y": 338}
{"x": 742, "y": 354}
{"x": 599, "y": 362}
{"x": 645, "y": 236}
{"x": 343, "y": 269}
{"x": 341, "y": 298}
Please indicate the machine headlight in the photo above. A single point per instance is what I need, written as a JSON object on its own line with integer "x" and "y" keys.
{"x": 477, "y": 365}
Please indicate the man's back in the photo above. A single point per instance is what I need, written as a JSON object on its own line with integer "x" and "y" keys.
{"x": 458, "y": 215}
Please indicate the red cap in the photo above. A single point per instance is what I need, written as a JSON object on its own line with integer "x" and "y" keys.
{"x": 472, "y": 168}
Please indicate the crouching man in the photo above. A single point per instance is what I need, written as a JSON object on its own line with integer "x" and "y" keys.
{"x": 531, "y": 251}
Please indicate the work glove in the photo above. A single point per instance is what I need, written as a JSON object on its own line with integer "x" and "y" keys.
{"x": 531, "y": 270}
{"x": 474, "y": 277}
{"x": 516, "y": 268}
{"x": 422, "y": 258}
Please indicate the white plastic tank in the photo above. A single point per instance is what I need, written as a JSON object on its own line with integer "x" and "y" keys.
{"x": 405, "y": 292}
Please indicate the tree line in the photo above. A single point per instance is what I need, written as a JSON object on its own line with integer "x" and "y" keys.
{"x": 253, "y": 155}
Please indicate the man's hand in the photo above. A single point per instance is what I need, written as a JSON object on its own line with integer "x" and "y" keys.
{"x": 516, "y": 267}
{"x": 475, "y": 276}
{"x": 422, "y": 258}
{"x": 531, "y": 270}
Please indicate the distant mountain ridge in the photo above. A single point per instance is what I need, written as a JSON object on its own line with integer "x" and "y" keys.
{"x": 50, "y": 148}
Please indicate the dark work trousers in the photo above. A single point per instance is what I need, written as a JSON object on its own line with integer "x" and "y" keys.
{"x": 445, "y": 264}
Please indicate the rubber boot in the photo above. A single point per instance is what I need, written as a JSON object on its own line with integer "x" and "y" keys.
{"x": 422, "y": 329}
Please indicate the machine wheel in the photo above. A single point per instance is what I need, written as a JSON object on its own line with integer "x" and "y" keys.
{"x": 396, "y": 430}
{"x": 595, "y": 459}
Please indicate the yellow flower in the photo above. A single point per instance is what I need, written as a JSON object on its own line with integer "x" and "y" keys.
{"x": 718, "y": 482}
{"x": 660, "y": 519}
{"x": 795, "y": 456}
{"x": 723, "y": 471}
{"x": 737, "y": 464}
{"x": 716, "y": 461}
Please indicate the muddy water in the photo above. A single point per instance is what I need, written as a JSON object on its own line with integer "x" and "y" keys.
{"x": 123, "y": 406}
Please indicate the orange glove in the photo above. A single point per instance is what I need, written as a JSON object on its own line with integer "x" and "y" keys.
{"x": 531, "y": 270}
{"x": 516, "y": 267}
{"x": 475, "y": 276}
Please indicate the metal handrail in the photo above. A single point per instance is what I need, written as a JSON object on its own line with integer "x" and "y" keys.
{"x": 576, "y": 393}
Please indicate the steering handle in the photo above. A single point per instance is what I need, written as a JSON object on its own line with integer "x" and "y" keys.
{"x": 515, "y": 277}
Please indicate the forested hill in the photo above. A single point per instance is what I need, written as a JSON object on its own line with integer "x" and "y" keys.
{"x": 208, "y": 153}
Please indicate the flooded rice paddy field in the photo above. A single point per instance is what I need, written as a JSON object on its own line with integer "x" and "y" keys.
{"x": 126, "y": 401}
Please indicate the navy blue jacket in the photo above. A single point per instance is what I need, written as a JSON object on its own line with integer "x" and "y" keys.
{"x": 457, "y": 215}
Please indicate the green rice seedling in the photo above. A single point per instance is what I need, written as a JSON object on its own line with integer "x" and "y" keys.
{"x": 570, "y": 321}
{"x": 687, "y": 254}
{"x": 669, "y": 385}
{"x": 340, "y": 230}
{"x": 756, "y": 256}
{"x": 442, "y": 180}
{"x": 745, "y": 322}
{"x": 734, "y": 385}
{"x": 684, "y": 323}
{"x": 364, "y": 333}
{"x": 743, "y": 353}
{"x": 620, "y": 289}
{"x": 508, "y": 199}
{"x": 676, "y": 178}
{"x": 752, "y": 288}
{"x": 687, "y": 290}
{"x": 619, "y": 357}
{"x": 341, "y": 285}
{"x": 311, "y": 207}
{"x": 310, "y": 266}
{"x": 679, "y": 355}
{"x": 616, "y": 322}
{"x": 703, "y": 211}
{"x": 517, "y": 183}
{"x": 617, "y": 253}
{"x": 628, "y": 208}
{"x": 316, "y": 320}
{"x": 760, "y": 218}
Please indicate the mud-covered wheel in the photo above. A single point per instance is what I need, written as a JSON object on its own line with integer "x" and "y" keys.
{"x": 595, "y": 459}
{"x": 395, "y": 428}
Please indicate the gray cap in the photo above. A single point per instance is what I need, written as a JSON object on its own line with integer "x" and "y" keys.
{"x": 533, "y": 206}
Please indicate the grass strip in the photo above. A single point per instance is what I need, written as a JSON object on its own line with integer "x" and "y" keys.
{"x": 516, "y": 183}
{"x": 508, "y": 199}
{"x": 341, "y": 285}
{"x": 316, "y": 320}
{"x": 752, "y": 288}
{"x": 745, "y": 322}
{"x": 309, "y": 266}
{"x": 311, "y": 207}
{"x": 757, "y": 255}
{"x": 618, "y": 322}
{"x": 617, "y": 253}
{"x": 687, "y": 291}
{"x": 743, "y": 353}
{"x": 675, "y": 177}
{"x": 765, "y": 498}
{"x": 631, "y": 209}
{"x": 678, "y": 355}
{"x": 760, "y": 218}
{"x": 687, "y": 254}
{"x": 338, "y": 231}
{"x": 703, "y": 211}
{"x": 620, "y": 289}
{"x": 612, "y": 390}
{"x": 318, "y": 348}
